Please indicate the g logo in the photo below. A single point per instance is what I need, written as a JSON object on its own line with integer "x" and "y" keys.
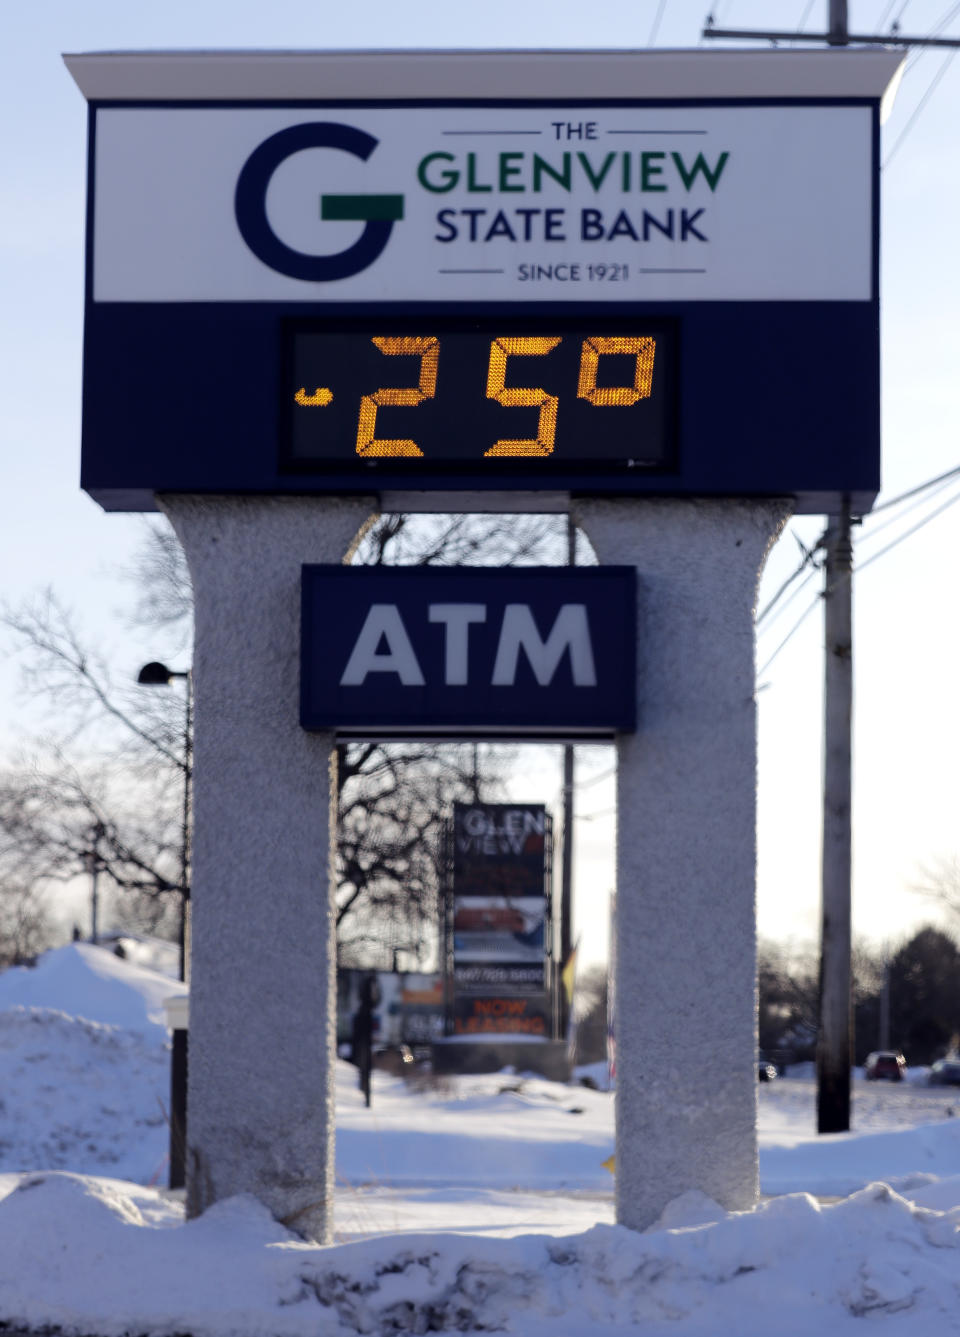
{"x": 250, "y": 205}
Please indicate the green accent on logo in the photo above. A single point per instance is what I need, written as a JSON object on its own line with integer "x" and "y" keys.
{"x": 361, "y": 208}
{"x": 689, "y": 174}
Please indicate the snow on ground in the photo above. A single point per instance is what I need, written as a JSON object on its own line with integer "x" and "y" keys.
{"x": 470, "y": 1204}
{"x": 76, "y": 1095}
{"x": 91, "y": 982}
{"x": 84, "y": 1065}
{"x": 154, "y": 953}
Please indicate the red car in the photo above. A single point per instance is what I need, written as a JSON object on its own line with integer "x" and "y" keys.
{"x": 885, "y": 1063}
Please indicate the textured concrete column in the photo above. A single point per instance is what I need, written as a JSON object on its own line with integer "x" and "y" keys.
{"x": 686, "y": 852}
{"x": 262, "y": 1000}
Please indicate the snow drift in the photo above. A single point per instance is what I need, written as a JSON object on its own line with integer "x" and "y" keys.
{"x": 476, "y": 1204}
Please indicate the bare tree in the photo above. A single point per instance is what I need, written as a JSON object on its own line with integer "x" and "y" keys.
{"x": 464, "y": 540}
{"x": 788, "y": 1000}
{"x": 939, "y": 883}
{"x": 590, "y": 1005}
{"x": 394, "y": 797}
{"x": 103, "y": 790}
{"x": 59, "y": 822}
{"x": 161, "y": 582}
{"x": 24, "y": 926}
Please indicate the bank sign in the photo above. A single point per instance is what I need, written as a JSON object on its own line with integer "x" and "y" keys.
{"x": 673, "y": 296}
{"x": 532, "y": 652}
{"x": 600, "y": 204}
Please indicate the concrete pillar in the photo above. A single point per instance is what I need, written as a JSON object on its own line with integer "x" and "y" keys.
{"x": 686, "y": 851}
{"x": 262, "y": 1002}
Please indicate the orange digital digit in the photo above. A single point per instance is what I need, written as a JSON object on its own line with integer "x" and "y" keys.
{"x": 427, "y": 348}
{"x": 522, "y": 396}
{"x": 641, "y": 347}
{"x": 320, "y": 398}
{"x": 513, "y": 398}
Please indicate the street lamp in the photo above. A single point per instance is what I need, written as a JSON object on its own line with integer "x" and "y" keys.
{"x": 156, "y": 674}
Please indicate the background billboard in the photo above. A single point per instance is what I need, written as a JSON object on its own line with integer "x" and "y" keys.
{"x": 530, "y": 1015}
{"x": 499, "y": 849}
{"x": 498, "y": 920}
{"x": 497, "y": 929}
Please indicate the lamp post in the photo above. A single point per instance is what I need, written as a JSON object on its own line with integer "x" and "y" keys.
{"x": 93, "y": 864}
{"x": 156, "y": 674}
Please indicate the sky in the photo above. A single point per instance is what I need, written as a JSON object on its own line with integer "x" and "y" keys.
{"x": 907, "y": 645}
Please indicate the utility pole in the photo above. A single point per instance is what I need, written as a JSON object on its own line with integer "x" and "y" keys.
{"x": 834, "y": 1047}
{"x": 837, "y": 33}
{"x": 156, "y": 674}
{"x": 837, "y": 23}
{"x": 884, "y": 1037}
{"x": 834, "y": 1050}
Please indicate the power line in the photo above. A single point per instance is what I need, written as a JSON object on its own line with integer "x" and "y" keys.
{"x": 793, "y": 597}
{"x": 932, "y": 515}
{"x": 948, "y": 17}
{"x": 805, "y": 15}
{"x": 656, "y": 22}
{"x": 935, "y": 31}
{"x": 919, "y": 107}
{"x": 790, "y": 634}
{"x": 838, "y": 34}
{"x": 912, "y": 61}
{"x": 713, "y": 16}
{"x": 803, "y": 617}
{"x": 808, "y": 554}
{"x": 874, "y": 530}
{"x": 912, "y": 492}
{"x": 883, "y": 17}
{"x": 903, "y": 10}
{"x": 919, "y": 525}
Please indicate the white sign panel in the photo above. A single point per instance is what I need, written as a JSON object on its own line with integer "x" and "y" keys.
{"x": 698, "y": 203}
{"x": 499, "y": 929}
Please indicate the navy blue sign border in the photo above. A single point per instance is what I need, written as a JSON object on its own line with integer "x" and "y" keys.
{"x": 334, "y": 605}
{"x": 809, "y": 426}
{"x": 758, "y": 414}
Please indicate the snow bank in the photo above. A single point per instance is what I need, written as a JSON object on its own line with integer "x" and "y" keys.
{"x": 844, "y": 1162}
{"x": 78, "y": 1095}
{"x": 91, "y": 982}
{"x": 468, "y": 1204}
{"x": 90, "y": 1255}
{"x": 84, "y": 1065}
{"x": 155, "y": 953}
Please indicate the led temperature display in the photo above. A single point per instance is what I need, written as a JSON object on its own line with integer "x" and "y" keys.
{"x": 595, "y": 396}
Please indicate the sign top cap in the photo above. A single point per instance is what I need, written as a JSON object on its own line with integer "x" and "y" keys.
{"x": 356, "y": 76}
